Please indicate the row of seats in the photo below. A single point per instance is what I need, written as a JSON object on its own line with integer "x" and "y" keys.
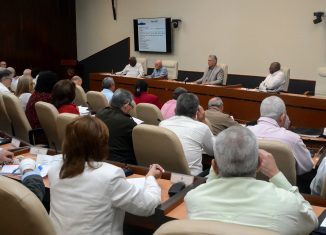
{"x": 19, "y": 202}
{"x": 172, "y": 67}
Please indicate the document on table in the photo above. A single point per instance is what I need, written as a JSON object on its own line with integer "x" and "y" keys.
{"x": 44, "y": 162}
{"x": 10, "y": 169}
{"x": 137, "y": 121}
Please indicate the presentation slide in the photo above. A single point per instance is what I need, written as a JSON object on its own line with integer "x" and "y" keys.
{"x": 152, "y": 35}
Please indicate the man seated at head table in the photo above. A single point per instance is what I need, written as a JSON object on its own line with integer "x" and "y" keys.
{"x": 275, "y": 81}
{"x": 213, "y": 75}
{"x": 233, "y": 195}
{"x": 159, "y": 71}
{"x": 271, "y": 124}
{"x": 219, "y": 120}
{"x": 190, "y": 127}
{"x": 31, "y": 177}
{"x": 133, "y": 69}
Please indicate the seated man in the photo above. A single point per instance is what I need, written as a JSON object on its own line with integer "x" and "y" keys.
{"x": 30, "y": 177}
{"x": 3, "y": 64}
{"x": 190, "y": 127}
{"x": 159, "y": 71}
{"x": 108, "y": 87}
{"x": 275, "y": 81}
{"x": 271, "y": 124}
{"x": 168, "y": 109}
{"x": 317, "y": 183}
{"x": 233, "y": 195}
{"x": 133, "y": 69}
{"x": 214, "y": 74}
{"x": 5, "y": 81}
{"x": 217, "y": 118}
{"x": 120, "y": 125}
{"x": 77, "y": 80}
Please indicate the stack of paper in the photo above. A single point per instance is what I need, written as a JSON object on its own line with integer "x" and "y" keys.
{"x": 83, "y": 110}
{"x": 44, "y": 162}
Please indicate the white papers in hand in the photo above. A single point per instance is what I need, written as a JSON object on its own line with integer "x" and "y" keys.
{"x": 137, "y": 121}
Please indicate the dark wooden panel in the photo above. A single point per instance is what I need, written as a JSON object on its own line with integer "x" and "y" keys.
{"x": 111, "y": 58}
{"x": 37, "y": 33}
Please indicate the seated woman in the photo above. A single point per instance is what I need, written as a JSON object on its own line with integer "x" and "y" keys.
{"x": 142, "y": 96}
{"x": 63, "y": 94}
{"x": 24, "y": 89}
{"x": 89, "y": 196}
{"x": 43, "y": 89}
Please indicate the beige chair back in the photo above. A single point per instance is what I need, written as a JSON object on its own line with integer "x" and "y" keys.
{"x": 284, "y": 159}
{"x": 18, "y": 117}
{"x": 172, "y": 67}
{"x": 47, "y": 115}
{"x": 143, "y": 62}
{"x": 23, "y": 212}
{"x": 149, "y": 113}
{"x": 96, "y": 101}
{"x": 225, "y": 69}
{"x": 5, "y": 122}
{"x": 208, "y": 227}
{"x": 154, "y": 144}
{"x": 62, "y": 122}
{"x": 286, "y": 72}
{"x": 80, "y": 99}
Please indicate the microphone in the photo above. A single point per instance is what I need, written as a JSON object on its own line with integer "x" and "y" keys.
{"x": 186, "y": 79}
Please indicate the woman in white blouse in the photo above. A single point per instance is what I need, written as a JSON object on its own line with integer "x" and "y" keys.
{"x": 89, "y": 196}
{"x": 24, "y": 89}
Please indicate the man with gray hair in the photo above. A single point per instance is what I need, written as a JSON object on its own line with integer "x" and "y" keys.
{"x": 271, "y": 124}
{"x": 77, "y": 80}
{"x": 5, "y": 81}
{"x": 233, "y": 195}
{"x": 217, "y": 118}
{"x": 190, "y": 126}
{"x": 213, "y": 75}
{"x": 108, "y": 86}
{"x": 120, "y": 125}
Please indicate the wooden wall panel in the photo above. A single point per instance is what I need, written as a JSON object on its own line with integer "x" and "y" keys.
{"x": 37, "y": 33}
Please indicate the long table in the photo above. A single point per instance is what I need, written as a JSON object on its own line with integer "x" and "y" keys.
{"x": 242, "y": 103}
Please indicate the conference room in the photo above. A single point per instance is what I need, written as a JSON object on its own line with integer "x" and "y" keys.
{"x": 170, "y": 100}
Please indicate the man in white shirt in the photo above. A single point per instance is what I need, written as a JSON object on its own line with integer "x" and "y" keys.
{"x": 133, "y": 69}
{"x": 233, "y": 195}
{"x": 271, "y": 124}
{"x": 108, "y": 86}
{"x": 275, "y": 81}
{"x": 5, "y": 81}
{"x": 190, "y": 127}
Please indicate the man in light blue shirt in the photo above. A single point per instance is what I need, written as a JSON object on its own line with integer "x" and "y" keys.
{"x": 159, "y": 71}
{"x": 108, "y": 86}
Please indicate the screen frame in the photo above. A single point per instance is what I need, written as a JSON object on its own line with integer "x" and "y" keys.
{"x": 168, "y": 36}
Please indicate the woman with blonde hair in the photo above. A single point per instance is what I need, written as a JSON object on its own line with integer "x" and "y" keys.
{"x": 24, "y": 89}
{"x": 90, "y": 196}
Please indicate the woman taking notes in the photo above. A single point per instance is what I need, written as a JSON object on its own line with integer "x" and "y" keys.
{"x": 89, "y": 196}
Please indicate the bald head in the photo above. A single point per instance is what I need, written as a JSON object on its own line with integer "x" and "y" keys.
{"x": 158, "y": 64}
{"x": 215, "y": 102}
{"x": 77, "y": 80}
{"x": 27, "y": 72}
{"x": 274, "y": 67}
